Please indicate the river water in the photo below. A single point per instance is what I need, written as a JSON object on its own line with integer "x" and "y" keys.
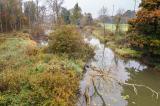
{"x": 113, "y": 93}
{"x": 116, "y": 70}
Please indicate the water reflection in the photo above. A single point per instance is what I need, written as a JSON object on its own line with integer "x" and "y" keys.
{"x": 135, "y": 65}
{"x": 43, "y": 43}
{"x": 111, "y": 90}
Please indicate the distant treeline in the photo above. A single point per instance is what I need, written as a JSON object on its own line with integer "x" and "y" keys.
{"x": 15, "y": 14}
{"x": 124, "y": 17}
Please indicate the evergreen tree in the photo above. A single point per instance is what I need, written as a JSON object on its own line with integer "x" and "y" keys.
{"x": 65, "y": 14}
{"x": 76, "y": 14}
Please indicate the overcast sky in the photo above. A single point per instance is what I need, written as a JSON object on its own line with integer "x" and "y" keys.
{"x": 93, "y": 6}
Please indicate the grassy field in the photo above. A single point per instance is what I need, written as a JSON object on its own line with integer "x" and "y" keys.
{"x": 112, "y": 27}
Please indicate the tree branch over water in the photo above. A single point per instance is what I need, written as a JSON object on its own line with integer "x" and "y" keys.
{"x": 96, "y": 90}
{"x": 137, "y": 85}
{"x": 108, "y": 77}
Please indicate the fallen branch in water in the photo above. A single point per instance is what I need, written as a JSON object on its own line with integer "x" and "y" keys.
{"x": 96, "y": 90}
{"x": 87, "y": 97}
{"x": 137, "y": 85}
{"x": 108, "y": 77}
{"x": 134, "y": 86}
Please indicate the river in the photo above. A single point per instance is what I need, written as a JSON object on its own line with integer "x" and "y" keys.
{"x": 116, "y": 70}
{"x": 113, "y": 93}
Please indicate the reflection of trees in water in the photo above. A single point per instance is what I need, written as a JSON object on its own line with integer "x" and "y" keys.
{"x": 101, "y": 81}
{"x": 104, "y": 74}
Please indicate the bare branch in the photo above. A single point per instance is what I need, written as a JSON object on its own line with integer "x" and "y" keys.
{"x": 137, "y": 85}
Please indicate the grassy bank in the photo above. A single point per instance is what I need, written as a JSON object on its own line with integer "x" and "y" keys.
{"x": 117, "y": 42}
{"x": 121, "y": 45}
{"x": 30, "y": 76}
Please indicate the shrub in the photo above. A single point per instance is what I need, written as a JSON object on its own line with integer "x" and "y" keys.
{"x": 146, "y": 44}
{"x": 55, "y": 83}
{"x": 54, "y": 88}
{"x": 46, "y": 88}
{"x": 31, "y": 50}
{"x": 30, "y": 77}
{"x": 2, "y": 39}
{"x": 68, "y": 40}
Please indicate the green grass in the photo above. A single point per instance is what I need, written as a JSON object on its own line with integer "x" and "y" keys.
{"x": 127, "y": 52}
{"x": 112, "y": 27}
{"x": 13, "y": 47}
{"x": 98, "y": 34}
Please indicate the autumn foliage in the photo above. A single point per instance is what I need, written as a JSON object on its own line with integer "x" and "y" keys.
{"x": 145, "y": 27}
{"x": 146, "y": 22}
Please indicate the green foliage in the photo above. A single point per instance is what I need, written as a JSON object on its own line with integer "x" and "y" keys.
{"x": 76, "y": 14}
{"x": 65, "y": 14}
{"x": 127, "y": 52}
{"x": 86, "y": 19}
{"x": 68, "y": 40}
{"x": 15, "y": 51}
{"x": 147, "y": 44}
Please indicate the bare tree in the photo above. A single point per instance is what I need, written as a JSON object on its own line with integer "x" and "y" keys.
{"x": 30, "y": 12}
{"x": 103, "y": 16}
{"x": 118, "y": 19}
{"x": 10, "y": 15}
{"x": 55, "y": 6}
{"x": 112, "y": 17}
{"x": 135, "y": 2}
{"x": 42, "y": 10}
{"x": 37, "y": 8}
